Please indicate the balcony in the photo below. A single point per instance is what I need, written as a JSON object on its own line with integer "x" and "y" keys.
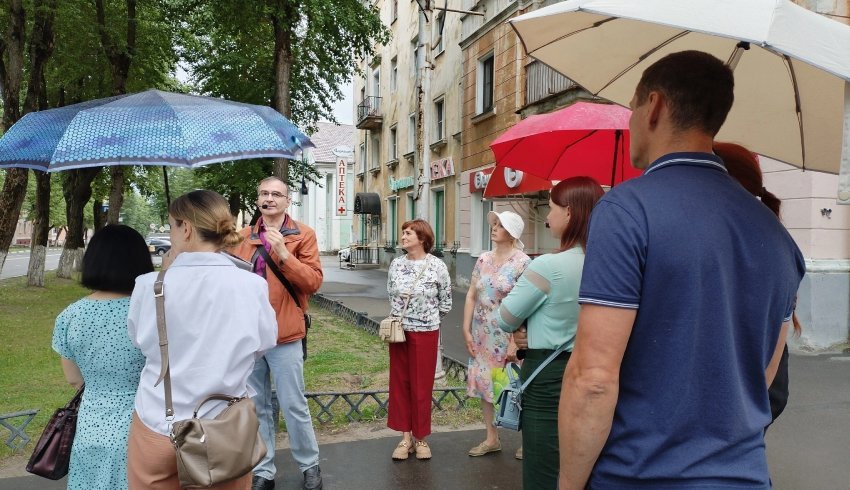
{"x": 369, "y": 113}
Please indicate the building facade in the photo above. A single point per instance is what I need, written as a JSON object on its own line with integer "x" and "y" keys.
{"x": 328, "y": 204}
{"x": 408, "y": 140}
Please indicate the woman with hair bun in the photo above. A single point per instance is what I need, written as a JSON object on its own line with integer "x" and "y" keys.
{"x": 219, "y": 321}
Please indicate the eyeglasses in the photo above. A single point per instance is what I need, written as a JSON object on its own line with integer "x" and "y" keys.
{"x": 273, "y": 195}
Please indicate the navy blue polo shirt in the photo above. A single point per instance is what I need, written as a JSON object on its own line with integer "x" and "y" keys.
{"x": 712, "y": 274}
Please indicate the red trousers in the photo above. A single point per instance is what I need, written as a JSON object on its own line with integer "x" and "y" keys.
{"x": 412, "y": 366}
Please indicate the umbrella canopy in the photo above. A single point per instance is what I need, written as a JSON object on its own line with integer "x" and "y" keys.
{"x": 148, "y": 128}
{"x": 790, "y": 64}
{"x": 505, "y": 182}
{"x": 582, "y": 139}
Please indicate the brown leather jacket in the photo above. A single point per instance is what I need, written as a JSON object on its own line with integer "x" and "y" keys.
{"x": 303, "y": 269}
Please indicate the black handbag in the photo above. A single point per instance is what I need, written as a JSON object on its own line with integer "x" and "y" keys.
{"x": 52, "y": 454}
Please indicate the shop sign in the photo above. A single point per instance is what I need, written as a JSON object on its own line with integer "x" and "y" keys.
{"x": 402, "y": 183}
{"x": 478, "y": 179}
{"x": 440, "y": 169}
{"x": 341, "y": 194}
{"x": 343, "y": 151}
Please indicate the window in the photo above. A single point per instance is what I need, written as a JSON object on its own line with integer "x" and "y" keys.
{"x": 411, "y": 206}
{"x": 376, "y": 153}
{"x": 439, "y": 120}
{"x": 376, "y": 82}
{"x": 392, "y": 233}
{"x": 484, "y": 85}
{"x": 411, "y": 133}
{"x": 480, "y": 233}
{"x": 393, "y": 143}
{"x": 439, "y": 26}
{"x": 363, "y": 157}
{"x": 414, "y": 59}
{"x": 394, "y": 74}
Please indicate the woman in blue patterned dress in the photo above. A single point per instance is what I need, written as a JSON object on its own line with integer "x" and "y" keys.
{"x": 493, "y": 277}
{"x": 91, "y": 336}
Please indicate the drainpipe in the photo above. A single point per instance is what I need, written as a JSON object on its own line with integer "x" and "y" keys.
{"x": 423, "y": 120}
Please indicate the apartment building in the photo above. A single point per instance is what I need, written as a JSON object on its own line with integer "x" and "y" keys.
{"x": 408, "y": 122}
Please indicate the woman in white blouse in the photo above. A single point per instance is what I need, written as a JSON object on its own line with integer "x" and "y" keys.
{"x": 420, "y": 281}
{"x": 219, "y": 320}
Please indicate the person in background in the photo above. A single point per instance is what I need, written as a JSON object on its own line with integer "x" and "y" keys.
{"x": 219, "y": 323}
{"x": 420, "y": 281}
{"x": 91, "y": 336}
{"x": 545, "y": 299}
{"x": 280, "y": 247}
{"x": 684, "y": 307}
{"x": 494, "y": 275}
{"x": 744, "y": 167}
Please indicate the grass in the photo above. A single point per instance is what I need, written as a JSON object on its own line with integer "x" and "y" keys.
{"x": 342, "y": 358}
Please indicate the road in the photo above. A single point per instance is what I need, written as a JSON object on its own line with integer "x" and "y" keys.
{"x": 17, "y": 262}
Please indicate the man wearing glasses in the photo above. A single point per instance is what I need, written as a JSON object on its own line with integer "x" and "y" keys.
{"x": 286, "y": 254}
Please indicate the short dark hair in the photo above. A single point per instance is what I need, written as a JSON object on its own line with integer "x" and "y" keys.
{"x": 423, "y": 232}
{"x": 115, "y": 256}
{"x": 581, "y": 194}
{"x": 698, "y": 87}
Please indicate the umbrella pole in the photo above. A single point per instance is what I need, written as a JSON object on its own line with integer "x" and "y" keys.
{"x": 165, "y": 180}
{"x": 617, "y": 135}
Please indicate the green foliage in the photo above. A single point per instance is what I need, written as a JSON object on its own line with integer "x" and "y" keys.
{"x": 138, "y": 213}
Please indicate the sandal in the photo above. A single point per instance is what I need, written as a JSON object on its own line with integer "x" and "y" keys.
{"x": 484, "y": 448}
{"x": 402, "y": 451}
{"x": 422, "y": 450}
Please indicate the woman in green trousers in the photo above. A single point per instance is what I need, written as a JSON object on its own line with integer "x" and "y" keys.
{"x": 545, "y": 301}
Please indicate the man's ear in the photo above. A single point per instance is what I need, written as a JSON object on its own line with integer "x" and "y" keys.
{"x": 656, "y": 103}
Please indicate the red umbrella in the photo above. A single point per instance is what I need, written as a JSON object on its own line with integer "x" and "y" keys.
{"x": 582, "y": 139}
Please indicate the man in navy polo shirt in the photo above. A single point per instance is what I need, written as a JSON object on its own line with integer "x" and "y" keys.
{"x": 686, "y": 294}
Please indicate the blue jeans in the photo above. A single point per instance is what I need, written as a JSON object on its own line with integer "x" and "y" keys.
{"x": 284, "y": 364}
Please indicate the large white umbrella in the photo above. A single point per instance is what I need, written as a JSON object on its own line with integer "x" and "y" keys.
{"x": 790, "y": 64}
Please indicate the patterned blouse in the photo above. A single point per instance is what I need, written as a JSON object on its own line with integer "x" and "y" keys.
{"x": 430, "y": 300}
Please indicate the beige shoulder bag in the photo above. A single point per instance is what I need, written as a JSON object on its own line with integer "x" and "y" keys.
{"x": 391, "y": 330}
{"x": 209, "y": 451}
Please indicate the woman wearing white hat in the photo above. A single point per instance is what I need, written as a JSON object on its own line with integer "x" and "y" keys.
{"x": 489, "y": 347}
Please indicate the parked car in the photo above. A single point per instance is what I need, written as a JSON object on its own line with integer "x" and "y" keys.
{"x": 158, "y": 246}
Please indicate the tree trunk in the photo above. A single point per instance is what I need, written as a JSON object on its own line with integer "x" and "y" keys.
{"x": 11, "y": 76}
{"x": 97, "y": 214}
{"x": 116, "y": 194}
{"x": 283, "y": 21}
{"x": 77, "y": 191}
{"x": 41, "y": 227}
{"x": 235, "y": 202}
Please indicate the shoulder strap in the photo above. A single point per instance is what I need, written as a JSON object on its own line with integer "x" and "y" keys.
{"x": 545, "y": 363}
{"x": 278, "y": 273}
{"x": 165, "y": 369}
{"x": 413, "y": 286}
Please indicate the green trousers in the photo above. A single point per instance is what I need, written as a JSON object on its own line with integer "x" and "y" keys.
{"x": 540, "y": 461}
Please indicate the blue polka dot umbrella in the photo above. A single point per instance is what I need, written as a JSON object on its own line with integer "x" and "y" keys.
{"x": 149, "y": 128}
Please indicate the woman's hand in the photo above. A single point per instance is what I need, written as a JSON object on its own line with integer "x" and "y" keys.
{"x": 467, "y": 337}
{"x": 520, "y": 338}
{"x": 512, "y": 348}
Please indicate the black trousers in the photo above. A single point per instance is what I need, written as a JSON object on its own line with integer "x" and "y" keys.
{"x": 540, "y": 463}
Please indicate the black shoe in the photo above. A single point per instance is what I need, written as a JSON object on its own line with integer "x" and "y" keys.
{"x": 260, "y": 483}
{"x": 313, "y": 478}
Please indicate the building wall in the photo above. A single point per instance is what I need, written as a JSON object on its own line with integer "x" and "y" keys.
{"x": 398, "y": 103}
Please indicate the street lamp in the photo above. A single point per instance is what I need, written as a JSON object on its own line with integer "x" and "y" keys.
{"x": 303, "y": 187}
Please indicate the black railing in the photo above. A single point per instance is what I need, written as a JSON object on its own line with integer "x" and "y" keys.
{"x": 369, "y": 107}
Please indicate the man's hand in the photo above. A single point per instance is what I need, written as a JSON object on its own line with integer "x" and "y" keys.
{"x": 275, "y": 239}
{"x": 521, "y": 338}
